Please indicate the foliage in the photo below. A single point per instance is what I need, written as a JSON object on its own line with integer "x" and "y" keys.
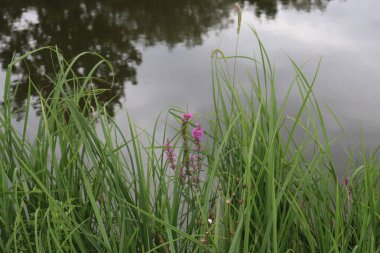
{"x": 82, "y": 184}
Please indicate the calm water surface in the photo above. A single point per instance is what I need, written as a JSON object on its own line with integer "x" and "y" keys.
{"x": 161, "y": 51}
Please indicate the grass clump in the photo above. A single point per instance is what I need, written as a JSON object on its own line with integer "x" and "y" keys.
{"x": 82, "y": 184}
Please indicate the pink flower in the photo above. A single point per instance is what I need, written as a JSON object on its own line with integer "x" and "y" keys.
{"x": 187, "y": 116}
{"x": 170, "y": 155}
{"x": 345, "y": 181}
{"x": 195, "y": 161}
{"x": 197, "y": 133}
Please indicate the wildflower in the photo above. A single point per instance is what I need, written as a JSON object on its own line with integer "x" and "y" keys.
{"x": 345, "y": 181}
{"x": 170, "y": 155}
{"x": 193, "y": 161}
{"x": 197, "y": 134}
{"x": 187, "y": 116}
{"x": 209, "y": 221}
{"x": 183, "y": 172}
{"x": 346, "y": 185}
{"x": 186, "y": 151}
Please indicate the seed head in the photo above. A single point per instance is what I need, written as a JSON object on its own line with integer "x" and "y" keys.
{"x": 239, "y": 11}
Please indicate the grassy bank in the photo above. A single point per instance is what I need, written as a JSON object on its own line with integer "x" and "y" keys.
{"x": 241, "y": 185}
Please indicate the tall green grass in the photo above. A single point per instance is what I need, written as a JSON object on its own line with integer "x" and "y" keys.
{"x": 82, "y": 184}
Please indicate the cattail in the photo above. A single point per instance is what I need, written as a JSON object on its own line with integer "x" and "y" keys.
{"x": 239, "y": 11}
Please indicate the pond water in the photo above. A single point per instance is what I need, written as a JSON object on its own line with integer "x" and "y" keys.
{"x": 161, "y": 51}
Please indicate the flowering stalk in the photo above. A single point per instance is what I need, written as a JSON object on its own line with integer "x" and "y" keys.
{"x": 197, "y": 134}
{"x": 348, "y": 187}
{"x": 170, "y": 155}
{"x": 186, "y": 151}
{"x": 187, "y": 117}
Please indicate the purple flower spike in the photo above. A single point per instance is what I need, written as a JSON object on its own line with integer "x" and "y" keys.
{"x": 345, "y": 181}
{"x": 170, "y": 155}
{"x": 187, "y": 116}
{"x": 197, "y": 134}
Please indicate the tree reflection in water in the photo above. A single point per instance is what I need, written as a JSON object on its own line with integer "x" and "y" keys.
{"x": 113, "y": 28}
{"x": 269, "y": 8}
